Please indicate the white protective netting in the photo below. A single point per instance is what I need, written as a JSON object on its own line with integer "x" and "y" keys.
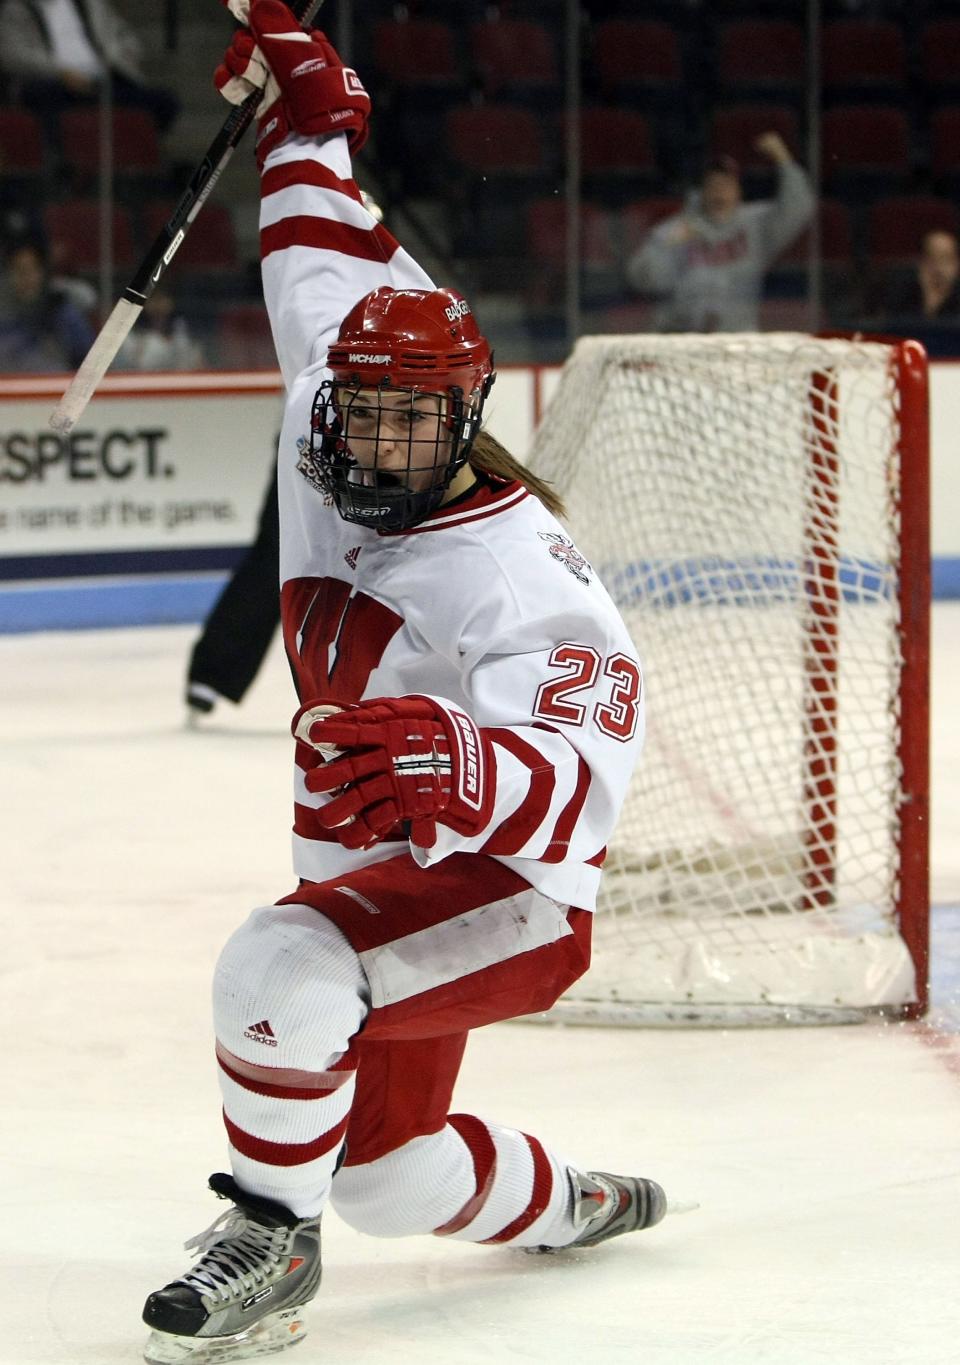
{"x": 738, "y": 495}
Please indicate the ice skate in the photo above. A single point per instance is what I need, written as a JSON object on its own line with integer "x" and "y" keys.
{"x": 606, "y": 1205}
{"x": 201, "y": 702}
{"x": 258, "y": 1265}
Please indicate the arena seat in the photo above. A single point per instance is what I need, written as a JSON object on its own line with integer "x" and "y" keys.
{"x": 416, "y": 53}
{"x": 21, "y": 144}
{"x": 496, "y": 138}
{"x": 616, "y": 141}
{"x": 633, "y": 56}
{"x": 865, "y": 147}
{"x": 73, "y": 233}
{"x": 515, "y": 58}
{"x": 897, "y": 224}
{"x": 212, "y": 247}
{"x": 244, "y": 339}
{"x": 836, "y": 236}
{"x": 761, "y": 55}
{"x": 940, "y": 55}
{"x": 863, "y": 56}
{"x": 136, "y": 147}
{"x": 945, "y": 146}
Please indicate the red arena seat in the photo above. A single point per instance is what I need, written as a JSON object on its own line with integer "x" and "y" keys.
{"x": 21, "y": 143}
{"x": 897, "y": 225}
{"x": 211, "y": 246}
{"x": 836, "y": 236}
{"x": 515, "y": 56}
{"x": 616, "y": 141}
{"x": 495, "y": 138}
{"x": 73, "y": 232}
{"x": 866, "y": 141}
{"x": 634, "y": 55}
{"x": 136, "y": 148}
{"x": 940, "y": 54}
{"x": 760, "y": 54}
{"x": 861, "y": 55}
{"x": 416, "y": 52}
{"x": 945, "y": 144}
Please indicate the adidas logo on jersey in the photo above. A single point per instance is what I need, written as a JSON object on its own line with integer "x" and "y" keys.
{"x": 261, "y": 1033}
{"x": 351, "y": 557}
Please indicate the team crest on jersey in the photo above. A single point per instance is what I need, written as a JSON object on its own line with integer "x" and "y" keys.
{"x": 307, "y": 466}
{"x": 567, "y": 554}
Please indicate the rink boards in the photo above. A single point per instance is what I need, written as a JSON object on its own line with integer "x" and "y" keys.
{"x": 137, "y": 515}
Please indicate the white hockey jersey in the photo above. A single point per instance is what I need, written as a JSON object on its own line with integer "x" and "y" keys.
{"x": 487, "y": 603}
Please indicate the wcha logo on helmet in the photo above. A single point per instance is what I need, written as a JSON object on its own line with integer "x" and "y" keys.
{"x": 359, "y": 358}
{"x": 566, "y": 553}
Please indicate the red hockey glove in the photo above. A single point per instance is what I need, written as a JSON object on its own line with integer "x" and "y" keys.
{"x": 317, "y": 93}
{"x": 402, "y": 758}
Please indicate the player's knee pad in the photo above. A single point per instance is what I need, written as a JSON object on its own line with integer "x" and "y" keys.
{"x": 415, "y": 1188}
{"x": 288, "y": 989}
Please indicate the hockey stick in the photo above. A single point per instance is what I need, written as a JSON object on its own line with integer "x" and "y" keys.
{"x": 128, "y": 308}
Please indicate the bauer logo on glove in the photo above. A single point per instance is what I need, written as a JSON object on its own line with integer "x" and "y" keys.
{"x": 306, "y": 88}
{"x": 416, "y": 759}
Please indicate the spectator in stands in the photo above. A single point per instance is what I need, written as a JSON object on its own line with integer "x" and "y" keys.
{"x": 705, "y": 266}
{"x": 56, "y": 53}
{"x": 931, "y": 293}
{"x": 161, "y": 339}
{"x": 41, "y": 327}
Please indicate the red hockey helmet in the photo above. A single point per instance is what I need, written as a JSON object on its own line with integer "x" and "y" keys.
{"x": 423, "y": 343}
{"x": 412, "y": 338}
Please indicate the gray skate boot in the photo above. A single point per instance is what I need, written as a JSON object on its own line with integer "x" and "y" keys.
{"x": 606, "y": 1205}
{"x": 258, "y": 1265}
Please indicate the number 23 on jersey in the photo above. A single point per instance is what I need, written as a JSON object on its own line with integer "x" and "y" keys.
{"x": 581, "y": 665}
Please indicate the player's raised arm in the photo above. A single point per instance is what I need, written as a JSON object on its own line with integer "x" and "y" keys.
{"x": 321, "y": 249}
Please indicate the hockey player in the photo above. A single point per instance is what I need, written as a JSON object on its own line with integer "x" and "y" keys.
{"x": 471, "y": 713}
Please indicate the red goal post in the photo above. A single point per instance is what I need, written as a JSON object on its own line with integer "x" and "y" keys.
{"x": 758, "y": 506}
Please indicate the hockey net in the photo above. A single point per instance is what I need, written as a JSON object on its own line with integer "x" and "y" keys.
{"x": 757, "y": 507}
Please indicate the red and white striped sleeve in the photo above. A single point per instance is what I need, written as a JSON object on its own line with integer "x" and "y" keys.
{"x": 320, "y": 249}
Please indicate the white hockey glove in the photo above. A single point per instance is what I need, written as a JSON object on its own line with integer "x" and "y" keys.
{"x": 244, "y": 71}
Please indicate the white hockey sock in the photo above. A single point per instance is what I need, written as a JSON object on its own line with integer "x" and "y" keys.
{"x": 473, "y": 1181}
{"x": 289, "y": 994}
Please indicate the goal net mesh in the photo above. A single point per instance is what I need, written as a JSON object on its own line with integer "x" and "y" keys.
{"x": 738, "y": 497}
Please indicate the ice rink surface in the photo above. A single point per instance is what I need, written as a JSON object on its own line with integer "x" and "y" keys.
{"x": 826, "y": 1161}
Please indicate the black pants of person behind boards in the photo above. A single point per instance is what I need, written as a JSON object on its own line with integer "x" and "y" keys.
{"x": 237, "y": 633}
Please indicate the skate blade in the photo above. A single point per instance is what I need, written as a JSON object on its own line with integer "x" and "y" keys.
{"x": 682, "y": 1205}
{"x": 274, "y": 1333}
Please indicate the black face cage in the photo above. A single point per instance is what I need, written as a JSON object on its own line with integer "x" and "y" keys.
{"x": 395, "y": 490}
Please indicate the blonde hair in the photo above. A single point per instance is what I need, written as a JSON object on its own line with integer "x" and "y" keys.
{"x": 488, "y": 454}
